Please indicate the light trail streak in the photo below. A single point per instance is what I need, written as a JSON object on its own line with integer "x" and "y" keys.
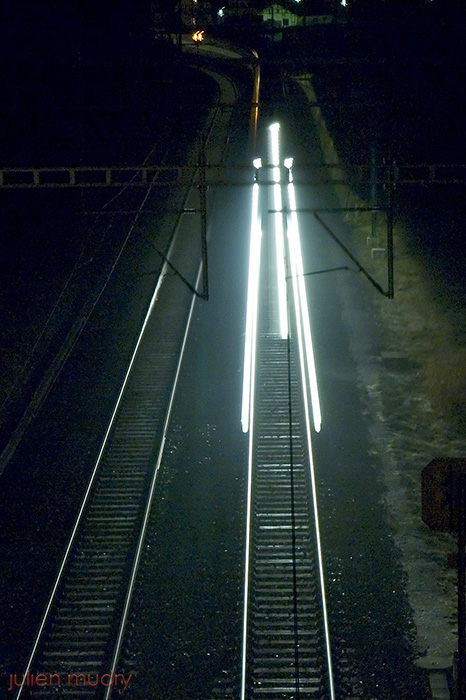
{"x": 247, "y": 417}
{"x": 297, "y": 270}
{"x": 306, "y": 356}
{"x": 251, "y": 312}
{"x": 280, "y": 250}
{"x": 319, "y": 550}
{"x": 274, "y": 142}
{"x": 247, "y": 556}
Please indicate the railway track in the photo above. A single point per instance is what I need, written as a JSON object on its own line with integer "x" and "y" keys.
{"x": 77, "y": 647}
{"x": 286, "y": 632}
{"x": 286, "y": 650}
{"x": 287, "y": 646}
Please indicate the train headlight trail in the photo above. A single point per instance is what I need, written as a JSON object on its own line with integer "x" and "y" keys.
{"x": 274, "y": 144}
{"x": 288, "y": 267}
{"x": 308, "y": 371}
{"x": 251, "y": 312}
{"x": 247, "y": 414}
{"x": 304, "y": 326}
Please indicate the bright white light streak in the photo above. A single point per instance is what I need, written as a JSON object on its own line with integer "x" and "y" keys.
{"x": 274, "y": 142}
{"x": 247, "y": 418}
{"x": 280, "y": 249}
{"x": 319, "y": 550}
{"x": 244, "y": 652}
{"x": 297, "y": 271}
{"x": 251, "y": 312}
{"x": 304, "y": 339}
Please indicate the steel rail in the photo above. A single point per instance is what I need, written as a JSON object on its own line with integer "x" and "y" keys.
{"x": 285, "y": 643}
{"x": 86, "y": 503}
{"x": 142, "y": 534}
{"x": 285, "y": 648}
{"x": 79, "y": 544}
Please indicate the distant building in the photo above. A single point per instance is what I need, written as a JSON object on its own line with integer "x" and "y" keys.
{"x": 278, "y": 17}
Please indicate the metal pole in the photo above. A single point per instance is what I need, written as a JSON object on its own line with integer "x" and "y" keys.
{"x": 461, "y": 590}
{"x": 391, "y": 193}
{"x": 179, "y": 26}
{"x": 203, "y": 208}
{"x": 373, "y": 193}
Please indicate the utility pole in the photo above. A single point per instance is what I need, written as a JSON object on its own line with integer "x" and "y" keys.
{"x": 203, "y": 207}
{"x": 391, "y": 194}
{"x": 179, "y": 24}
{"x": 461, "y": 584}
{"x": 373, "y": 192}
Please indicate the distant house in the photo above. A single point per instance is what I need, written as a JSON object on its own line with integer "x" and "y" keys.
{"x": 279, "y": 17}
